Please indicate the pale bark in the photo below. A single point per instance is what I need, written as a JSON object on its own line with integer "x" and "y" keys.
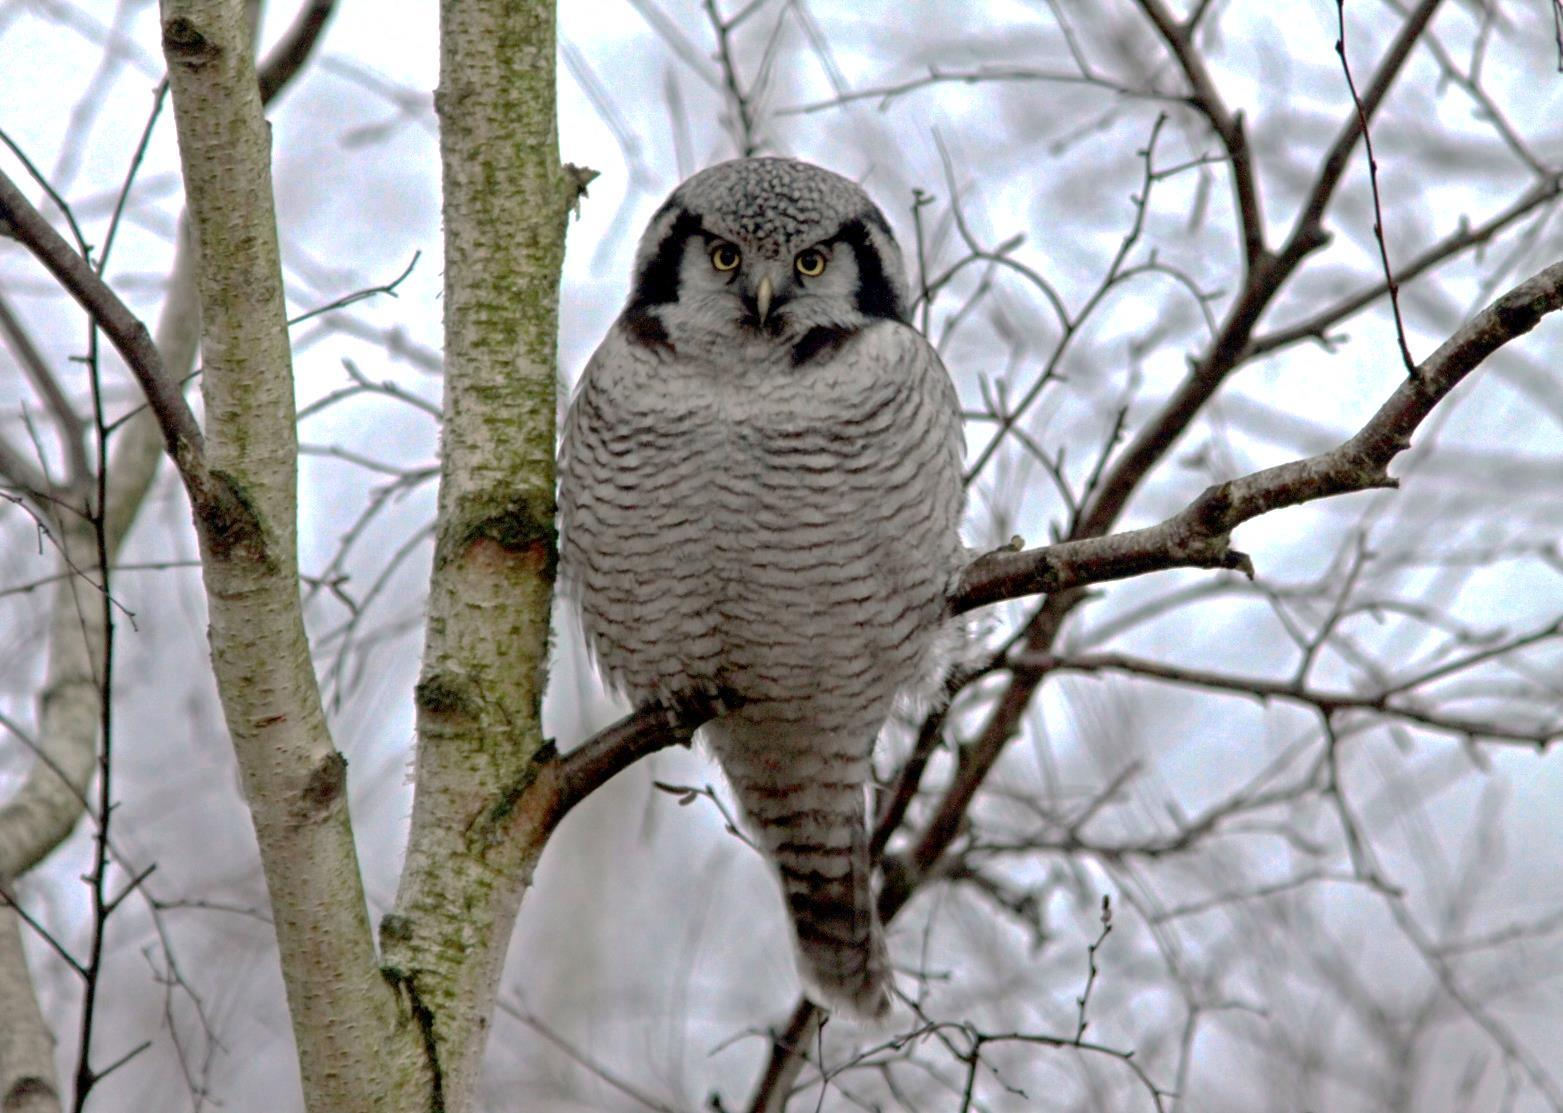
{"x": 472, "y": 851}
{"x": 355, "y": 1051}
{"x": 26, "y": 1049}
{"x": 52, "y": 798}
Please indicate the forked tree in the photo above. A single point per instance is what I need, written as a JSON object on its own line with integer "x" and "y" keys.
{"x": 1141, "y": 263}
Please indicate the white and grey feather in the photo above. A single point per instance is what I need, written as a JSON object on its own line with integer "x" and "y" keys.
{"x": 760, "y": 494}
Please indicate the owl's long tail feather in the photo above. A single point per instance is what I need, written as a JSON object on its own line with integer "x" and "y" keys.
{"x": 803, "y": 797}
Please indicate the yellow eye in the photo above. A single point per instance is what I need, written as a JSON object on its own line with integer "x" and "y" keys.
{"x": 810, "y": 263}
{"x": 724, "y": 257}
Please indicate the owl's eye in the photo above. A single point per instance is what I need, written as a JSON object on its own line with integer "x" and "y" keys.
{"x": 724, "y": 257}
{"x": 810, "y": 263}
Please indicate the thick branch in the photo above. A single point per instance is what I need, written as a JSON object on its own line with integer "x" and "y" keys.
{"x": 482, "y": 809}
{"x": 1199, "y": 535}
{"x": 356, "y": 1051}
{"x": 26, "y": 1047}
{"x": 124, "y": 330}
{"x": 290, "y": 53}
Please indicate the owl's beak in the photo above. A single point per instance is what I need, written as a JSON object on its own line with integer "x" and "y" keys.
{"x": 762, "y": 298}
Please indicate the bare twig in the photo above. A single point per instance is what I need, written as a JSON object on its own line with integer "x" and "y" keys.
{"x": 1228, "y": 126}
{"x": 738, "y": 97}
{"x": 159, "y": 95}
{"x": 359, "y": 295}
{"x": 1390, "y": 284}
{"x": 1383, "y": 703}
{"x": 68, "y": 422}
{"x": 530, "y": 1020}
{"x": 1083, "y": 1002}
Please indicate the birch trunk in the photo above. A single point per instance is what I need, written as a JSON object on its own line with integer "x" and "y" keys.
{"x": 471, "y": 854}
{"x": 356, "y": 1049}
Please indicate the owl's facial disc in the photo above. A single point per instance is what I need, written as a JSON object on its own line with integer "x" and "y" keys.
{"x": 764, "y": 249}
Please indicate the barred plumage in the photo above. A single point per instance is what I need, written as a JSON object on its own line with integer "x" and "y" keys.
{"x": 760, "y": 492}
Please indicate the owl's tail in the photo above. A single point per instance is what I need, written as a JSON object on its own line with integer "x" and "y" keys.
{"x": 804, "y": 801}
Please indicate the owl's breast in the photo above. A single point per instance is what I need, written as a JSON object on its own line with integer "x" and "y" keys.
{"x": 759, "y": 528}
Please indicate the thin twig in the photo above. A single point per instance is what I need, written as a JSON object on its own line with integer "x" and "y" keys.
{"x": 1378, "y": 209}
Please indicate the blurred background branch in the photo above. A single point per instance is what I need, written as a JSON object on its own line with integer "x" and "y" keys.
{"x": 1321, "y": 799}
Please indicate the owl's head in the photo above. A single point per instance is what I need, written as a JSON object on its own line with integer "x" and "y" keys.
{"x": 766, "y": 247}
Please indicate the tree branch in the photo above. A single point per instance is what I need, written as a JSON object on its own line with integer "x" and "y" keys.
{"x": 124, "y": 330}
{"x": 1381, "y": 703}
{"x": 356, "y": 1049}
{"x": 1199, "y": 536}
{"x": 483, "y": 775}
{"x": 291, "y": 51}
{"x": 26, "y": 1046}
{"x": 67, "y": 421}
{"x": 1207, "y": 100}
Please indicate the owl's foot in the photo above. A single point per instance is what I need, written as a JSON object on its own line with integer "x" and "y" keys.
{"x": 690, "y": 707}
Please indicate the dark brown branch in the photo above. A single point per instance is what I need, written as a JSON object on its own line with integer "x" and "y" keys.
{"x": 287, "y": 58}
{"x": 124, "y": 330}
{"x": 789, "y": 1048}
{"x": 892, "y": 808}
{"x": 571, "y": 778}
{"x": 611, "y": 751}
{"x": 1155, "y": 440}
{"x": 1199, "y": 535}
{"x": 1308, "y": 231}
{"x": 226, "y": 520}
{"x": 1263, "y": 283}
{"x": 1228, "y": 126}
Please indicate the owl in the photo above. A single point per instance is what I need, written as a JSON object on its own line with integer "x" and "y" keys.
{"x": 760, "y": 495}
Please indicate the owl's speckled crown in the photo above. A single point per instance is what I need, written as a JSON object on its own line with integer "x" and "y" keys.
{"x": 799, "y": 197}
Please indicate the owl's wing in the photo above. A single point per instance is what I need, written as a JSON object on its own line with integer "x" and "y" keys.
{"x": 630, "y": 518}
{"x": 928, "y": 442}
